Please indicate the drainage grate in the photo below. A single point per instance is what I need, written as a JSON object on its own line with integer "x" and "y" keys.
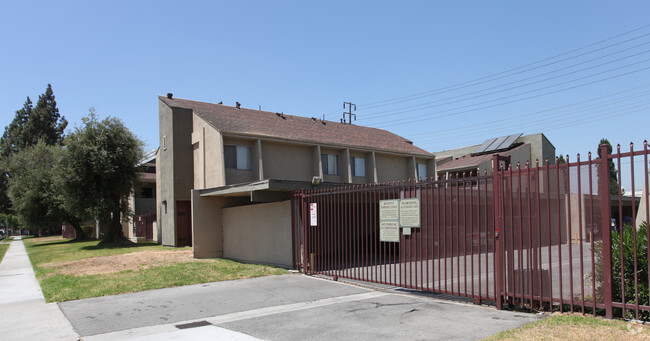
{"x": 193, "y": 324}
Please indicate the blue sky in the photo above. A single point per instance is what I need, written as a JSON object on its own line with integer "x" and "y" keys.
{"x": 580, "y": 68}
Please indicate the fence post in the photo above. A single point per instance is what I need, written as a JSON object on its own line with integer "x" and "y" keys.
{"x": 497, "y": 203}
{"x": 605, "y": 207}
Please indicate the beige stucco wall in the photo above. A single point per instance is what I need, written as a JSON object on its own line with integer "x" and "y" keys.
{"x": 258, "y": 233}
{"x": 207, "y": 226}
{"x": 391, "y": 168}
{"x": 287, "y": 161}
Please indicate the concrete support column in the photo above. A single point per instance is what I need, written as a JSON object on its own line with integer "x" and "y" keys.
{"x": 347, "y": 169}
{"x": 317, "y": 164}
{"x": 373, "y": 168}
{"x": 260, "y": 164}
{"x": 412, "y": 168}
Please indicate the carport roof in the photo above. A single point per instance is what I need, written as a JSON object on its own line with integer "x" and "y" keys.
{"x": 263, "y": 185}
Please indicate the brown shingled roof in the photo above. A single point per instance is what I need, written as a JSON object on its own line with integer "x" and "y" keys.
{"x": 227, "y": 119}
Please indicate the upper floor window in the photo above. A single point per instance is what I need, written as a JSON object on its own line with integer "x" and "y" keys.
{"x": 330, "y": 164}
{"x": 422, "y": 170}
{"x": 237, "y": 157}
{"x": 358, "y": 166}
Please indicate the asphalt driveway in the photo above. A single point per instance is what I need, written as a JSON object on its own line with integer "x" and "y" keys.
{"x": 289, "y": 307}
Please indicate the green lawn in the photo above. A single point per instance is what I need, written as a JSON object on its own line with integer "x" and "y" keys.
{"x": 3, "y": 249}
{"x": 576, "y": 327}
{"x": 64, "y": 287}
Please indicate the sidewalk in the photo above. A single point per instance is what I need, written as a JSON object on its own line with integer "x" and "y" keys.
{"x": 25, "y": 315}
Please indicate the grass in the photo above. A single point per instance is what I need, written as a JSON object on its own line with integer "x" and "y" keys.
{"x": 576, "y": 327}
{"x": 59, "y": 287}
{"x": 3, "y": 249}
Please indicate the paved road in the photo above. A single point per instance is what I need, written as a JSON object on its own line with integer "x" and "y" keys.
{"x": 289, "y": 307}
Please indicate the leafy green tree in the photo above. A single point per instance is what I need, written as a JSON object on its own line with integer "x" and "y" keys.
{"x": 99, "y": 170}
{"x": 30, "y": 125}
{"x": 32, "y": 190}
{"x": 560, "y": 160}
{"x": 613, "y": 181}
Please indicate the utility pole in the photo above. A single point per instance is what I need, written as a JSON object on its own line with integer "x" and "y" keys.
{"x": 349, "y": 113}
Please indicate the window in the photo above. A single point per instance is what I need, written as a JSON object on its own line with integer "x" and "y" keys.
{"x": 237, "y": 157}
{"x": 330, "y": 164}
{"x": 422, "y": 170}
{"x": 358, "y": 166}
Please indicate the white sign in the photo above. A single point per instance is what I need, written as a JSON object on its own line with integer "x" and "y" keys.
{"x": 409, "y": 212}
{"x": 313, "y": 214}
{"x": 388, "y": 209}
{"x": 389, "y": 231}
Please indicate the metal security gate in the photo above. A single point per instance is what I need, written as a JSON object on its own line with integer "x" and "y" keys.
{"x": 556, "y": 236}
{"x": 452, "y": 251}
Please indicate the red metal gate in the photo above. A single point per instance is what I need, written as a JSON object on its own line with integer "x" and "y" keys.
{"x": 452, "y": 251}
{"x": 537, "y": 236}
{"x": 143, "y": 225}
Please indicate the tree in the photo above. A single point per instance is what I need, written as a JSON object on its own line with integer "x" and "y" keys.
{"x": 99, "y": 170}
{"x": 560, "y": 160}
{"x": 30, "y": 125}
{"x": 613, "y": 181}
{"x": 32, "y": 190}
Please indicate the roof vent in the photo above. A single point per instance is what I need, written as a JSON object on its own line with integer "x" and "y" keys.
{"x": 220, "y": 102}
{"x": 170, "y": 95}
{"x": 238, "y": 105}
{"x": 281, "y": 115}
{"x": 408, "y": 141}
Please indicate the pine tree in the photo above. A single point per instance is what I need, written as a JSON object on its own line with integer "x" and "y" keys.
{"x": 30, "y": 125}
{"x": 613, "y": 181}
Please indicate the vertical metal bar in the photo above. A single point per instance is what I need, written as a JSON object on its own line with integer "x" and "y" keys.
{"x": 471, "y": 223}
{"x": 497, "y": 193}
{"x": 580, "y": 227}
{"x": 444, "y": 233}
{"x": 465, "y": 236}
{"x": 559, "y": 234}
{"x": 305, "y": 246}
{"x": 647, "y": 202}
{"x": 480, "y": 240}
{"x": 520, "y": 250}
{"x": 456, "y": 233}
{"x": 549, "y": 227}
{"x": 569, "y": 242}
{"x": 603, "y": 190}
{"x": 437, "y": 213}
{"x": 636, "y": 270}
{"x": 593, "y": 235}
{"x": 620, "y": 227}
{"x": 538, "y": 251}
{"x": 294, "y": 221}
{"x": 530, "y": 249}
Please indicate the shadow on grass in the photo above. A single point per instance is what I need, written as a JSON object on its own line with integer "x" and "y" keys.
{"x": 118, "y": 246}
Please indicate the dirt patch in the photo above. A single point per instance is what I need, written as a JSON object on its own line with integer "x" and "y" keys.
{"x": 116, "y": 263}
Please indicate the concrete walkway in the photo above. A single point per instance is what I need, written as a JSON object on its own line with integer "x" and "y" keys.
{"x": 25, "y": 315}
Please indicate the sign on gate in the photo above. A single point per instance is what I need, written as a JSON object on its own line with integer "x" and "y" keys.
{"x": 393, "y": 214}
{"x": 409, "y": 212}
{"x": 313, "y": 214}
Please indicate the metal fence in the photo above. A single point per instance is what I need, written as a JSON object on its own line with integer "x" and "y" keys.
{"x": 544, "y": 236}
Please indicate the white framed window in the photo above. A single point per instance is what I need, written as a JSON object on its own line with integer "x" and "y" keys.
{"x": 237, "y": 157}
{"x": 358, "y": 166}
{"x": 422, "y": 170}
{"x": 330, "y": 164}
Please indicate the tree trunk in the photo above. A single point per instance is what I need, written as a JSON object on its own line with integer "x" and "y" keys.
{"x": 79, "y": 233}
{"x": 114, "y": 234}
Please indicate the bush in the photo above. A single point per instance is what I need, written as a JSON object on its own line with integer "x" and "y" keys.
{"x": 623, "y": 272}
{"x": 627, "y": 271}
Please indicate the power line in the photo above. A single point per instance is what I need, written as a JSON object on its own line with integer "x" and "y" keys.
{"x": 464, "y": 84}
{"x": 422, "y": 106}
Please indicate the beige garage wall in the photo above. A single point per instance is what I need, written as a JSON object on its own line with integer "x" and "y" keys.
{"x": 258, "y": 233}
